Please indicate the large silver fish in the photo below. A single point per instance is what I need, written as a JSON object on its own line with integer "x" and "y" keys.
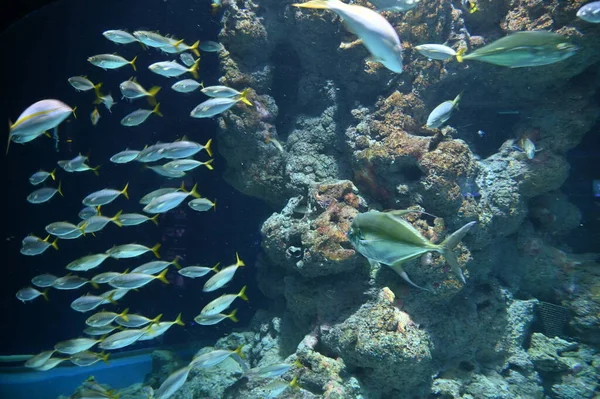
{"x": 384, "y": 237}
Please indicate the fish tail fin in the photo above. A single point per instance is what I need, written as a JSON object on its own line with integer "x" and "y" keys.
{"x": 472, "y": 7}
{"x": 73, "y": 112}
{"x": 155, "y": 249}
{"x": 45, "y": 293}
{"x": 453, "y": 262}
{"x": 207, "y": 147}
{"x": 194, "y": 69}
{"x": 96, "y": 286}
{"x": 456, "y": 100}
{"x": 97, "y": 89}
{"x": 82, "y": 227}
{"x": 214, "y": 8}
{"x": 182, "y": 187}
{"x": 54, "y": 244}
{"x": 317, "y": 4}
{"x": 244, "y": 96}
{"x": 238, "y": 261}
{"x": 194, "y": 48}
{"x": 104, "y": 357}
{"x": 215, "y": 205}
{"x": 460, "y": 53}
{"x": 238, "y": 351}
{"x": 156, "y": 110}
{"x": 53, "y": 174}
{"x": 115, "y": 219}
{"x": 175, "y": 262}
{"x": 208, "y": 164}
{"x": 132, "y": 63}
{"x": 154, "y": 219}
{"x": 195, "y": 193}
{"x": 232, "y": 317}
{"x": 123, "y": 314}
{"x": 152, "y": 94}
{"x": 124, "y": 191}
{"x": 294, "y": 383}
{"x": 162, "y": 276}
{"x": 59, "y": 189}
{"x": 215, "y": 268}
{"x": 95, "y": 170}
{"x": 178, "y": 321}
{"x": 242, "y": 293}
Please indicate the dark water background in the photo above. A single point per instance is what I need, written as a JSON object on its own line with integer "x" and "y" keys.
{"x": 43, "y": 51}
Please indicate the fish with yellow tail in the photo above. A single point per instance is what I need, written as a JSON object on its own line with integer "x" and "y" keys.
{"x": 374, "y": 31}
{"x": 111, "y": 61}
{"x": 218, "y": 105}
{"x": 139, "y": 116}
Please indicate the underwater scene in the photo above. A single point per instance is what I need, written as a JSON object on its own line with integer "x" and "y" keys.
{"x": 337, "y": 199}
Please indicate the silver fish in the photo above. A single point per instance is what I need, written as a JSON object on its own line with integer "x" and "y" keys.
{"x": 166, "y": 202}
{"x": 211, "y": 47}
{"x": 41, "y": 176}
{"x": 214, "y": 357}
{"x": 124, "y": 156}
{"x": 186, "y": 86}
{"x": 202, "y": 204}
{"x": 132, "y": 251}
{"x": 436, "y": 51}
{"x": 172, "y": 384}
{"x": 223, "y": 302}
{"x": 146, "y": 199}
{"x": 136, "y": 280}
{"x": 111, "y": 61}
{"x": 44, "y": 194}
{"x": 105, "y": 196}
{"x": 133, "y": 219}
{"x": 87, "y": 262}
{"x": 590, "y": 12}
{"x": 223, "y": 276}
{"x": 119, "y": 36}
{"x": 139, "y": 116}
{"x": 172, "y": 69}
{"x": 73, "y": 346}
{"x": 442, "y": 113}
{"x": 43, "y": 280}
{"x": 216, "y": 106}
{"x": 198, "y": 271}
{"x": 29, "y": 294}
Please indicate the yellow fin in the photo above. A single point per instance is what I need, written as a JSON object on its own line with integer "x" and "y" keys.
{"x": 459, "y": 54}
{"x": 178, "y": 321}
{"x": 162, "y": 277}
{"x": 207, "y": 147}
{"x": 194, "y": 193}
{"x": 152, "y": 94}
{"x": 208, "y": 164}
{"x": 124, "y": 192}
{"x": 242, "y": 293}
{"x": 244, "y": 97}
{"x": 123, "y": 314}
{"x": 132, "y": 63}
{"x": 154, "y": 219}
{"x": 194, "y": 69}
{"x": 215, "y": 268}
{"x": 156, "y": 110}
{"x": 95, "y": 170}
{"x": 115, "y": 220}
{"x": 175, "y": 262}
{"x": 239, "y": 262}
{"x": 53, "y": 174}
{"x": 54, "y": 243}
{"x": 155, "y": 249}
{"x": 318, "y": 4}
{"x": 59, "y": 189}
{"x": 194, "y": 48}
{"x": 232, "y": 317}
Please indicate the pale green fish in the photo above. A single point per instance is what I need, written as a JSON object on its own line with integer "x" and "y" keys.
{"x": 107, "y": 100}
{"x": 524, "y": 49}
{"x": 43, "y": 280}
{"x": 105, "y": 196}
{"x": 38, "y": 118}
{"x": 146, "y": 199}
{"x": 69, "y": 282}
{"x": 220, "y": 92}
{"x": 442, "y": 113}
{"x": 111, "y": 61}
{"x": 131, "y": 89}
{"x": 60, "y": 229}
{"x": 84, "y": 168}
{"x": 526, "y": 146}
{"x": 125, "y": 156}
{"x": 51, "y": 363}
{"x": 436, "y": 51}
{"x": 274, "y": 389}
{"x": 184, "y": 165}
{"x": 271, "y": 371}
{"x": 216, "y": 106}
{"x": 74, "y": 234}
{"x": 166, "y": 202}
{"x": 29, "y": 294}
{"x": 122, "y": 339}
{"x": 136, "y": 280}
{"x": 185, "y": 86}
{"x": 88, "y": 212}
{"x": 87, "y": 358}
{"x": 223, "y": 302}
{"x": 183, "y": 149}
{"x": 187, "y": 59}
{"x": 105, "y": 277}
{"x": 95, "y": 116}
{"x": 87, "y": 302}
{"x": 33, "y": 245}
{"x": 132, "y": 251}
{"x": 44, "y": 194}
{"x": 151, "y": 153}
{"x": 87, "y": 262}
{"x": 395, "y": 5}
{"x": 210, "y": 320}
{"x": 138, "y": 116}
{"x": 375, "y": 32}
{"x": 152, "y": 39}
{"x": 119, "y": 36}
{"x": 39, "y": 359}
{"x": 82, "y": 83}
{"x": 158, "y": 329}
{"x": 177, "y": 46}
{"x": 102, "y": 319}
{"x": 215, "y": 357}
{"x": 384, "y": 237}
{"x": 172, "y": 384}
{"x": 171, "y": 69}
{"x": 98, "y": 222}
{"x": 198, "y": 271}
{"x": 211, "y": 47}
{"x": 76, "y": 345}
{"x": 160, "y": 170}
{"x": 156, "y": 266}
{"x": 133, "y": 219}
{"x": 69, "y": 165}
{"x": 590, "y": 12}
{"x": 136, "y": 320}
{"x": 202, "y": 204}
{"x": 99, "y": 331}
{"x": 41, "y": 176}
{"x": 223, "y": 276}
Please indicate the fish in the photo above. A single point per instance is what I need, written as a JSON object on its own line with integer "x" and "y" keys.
{"x": 60, "y": 229}
{"x": 146, "y": 199}
{"x": 69, "y": 282}
{"x": 33, "y": 245}
{"x": 469, "y": 5}
{"x": 166, "y": 202}
{"x": 158, "y": 329}
{"x": 119, "y": 36}
{"x": 187, "y": 59}
{"x": 186, "y": 86}
{"x": 523, "y": 49}
{"x": 99, "y": 331}
{"x": 73, "y": 234}
{"x": 107, "y": 100}
{"x": 51, "y": 363}
{"x": 172, "y": 69}
{"x": 152, "y": 153}
{"x": 70, "y": 167}
{"x": 216, "y": 106}
{"x": 221, "y": 92}
{"x": 104, "y": 196}
{"x": 136, "y": 320}
{"x": 223, "y": 276}
{"x": 442, "y": 113}
{"x": 152, "y": 39}
{"x": 590, "y": 12}
{"x": 105, "y": 277}
{"x": 39, "y": 359}
{"x": 184, "y": 165}
{"x": 88, "y": 212}
{"x": 480, "y": 133}
{"x": 87, "y": 302}
{"x": 125, "y": 156}
{"x": 171, "y": 174}
{"x": 134, "y": 219}
{"x": 384, "y": 237}
{"x": 82, "y": 83}
{"x": 210, "y": 46}
{"x": 395, "y": 5}
{"x": 271, "y": 371}
{"x": 202, "y": 204}
{"x": 132, "y": 251}
{"x": 121, "y": 339}
{"x": 139, "y": 116}
{"x": 137, "y": 280}
{"x": 215, "y": 357}
{"x": 436, "y": 51}
{"x": 173, "y": 383}
{"x": 277, "y": 387}
{"x": 526, "y": 146}
{"x": 178, "y": 46}
{"x": 73, "y": 346}
{"x": 198, "y": 271}
{"x": 98, "y": 222}
{"x": 156, "y": 266}
{"x": 111, "y": 61}
{"x": 29, "y": 294}
{"x": 131, "y": 90}
{"x": 43, "y": 280}
{"x": 87, "y": 262}
{"x": 40, "y": 176}
{"x": 374, "y": 31}
{"x": 184, "y": 149}
{"x": 102, "y": 319}
{"x": 95, "y": 116}
{"x": 223, "y": 302}
{"x": 87, "y": 358}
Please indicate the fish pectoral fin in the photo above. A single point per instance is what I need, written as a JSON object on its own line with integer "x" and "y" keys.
{"x": 453, "y": 262}
{"x": 397, "y": 267}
